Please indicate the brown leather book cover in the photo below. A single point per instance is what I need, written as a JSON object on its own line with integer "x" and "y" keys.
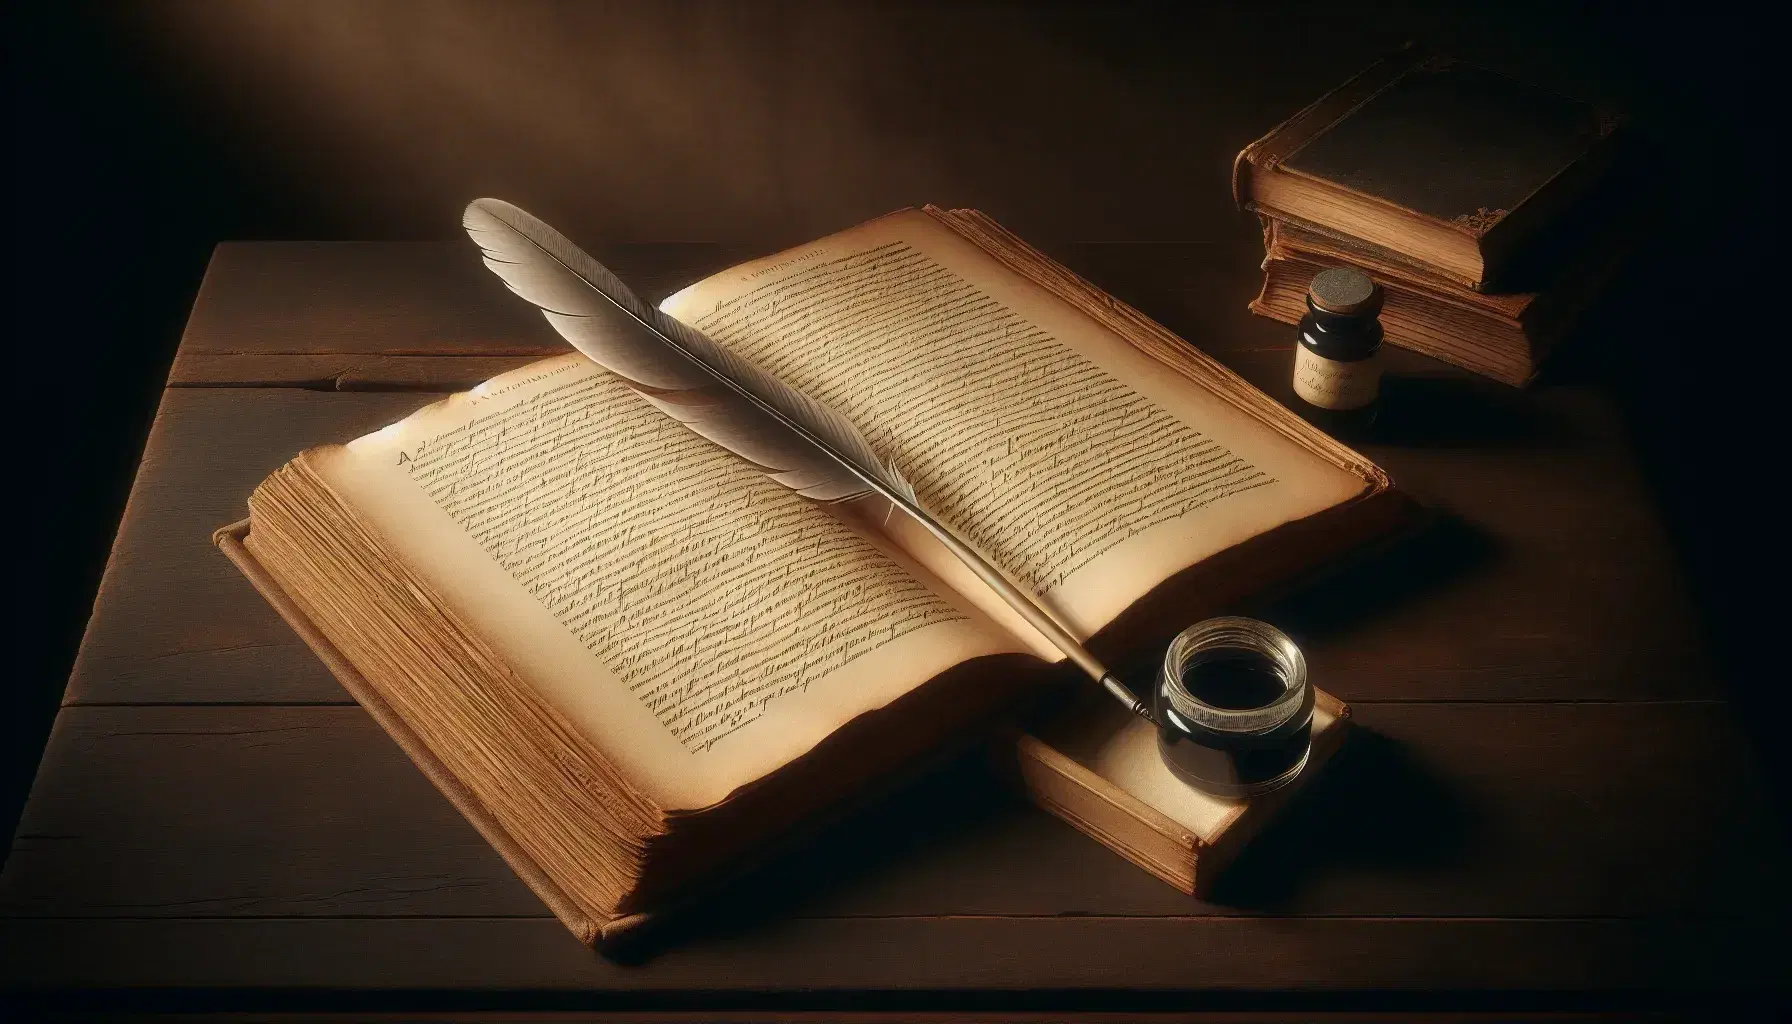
{"x": 1441, "y": 161}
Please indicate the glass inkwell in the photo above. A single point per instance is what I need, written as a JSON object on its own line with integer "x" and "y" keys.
{"x": 1234, "y": 708}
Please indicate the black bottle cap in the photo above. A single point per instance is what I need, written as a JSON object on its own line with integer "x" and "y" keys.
{"x": 1342, "y": 291}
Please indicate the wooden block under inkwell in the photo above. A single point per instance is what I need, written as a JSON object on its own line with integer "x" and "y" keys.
{"x": 1099, "y": 769}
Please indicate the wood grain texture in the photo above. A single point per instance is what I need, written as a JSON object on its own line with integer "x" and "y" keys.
{"x": 1658, "y": 1013}
{"x": 359, "y": 316}
{"x": 389, "y": 298}
{"x": 424, "y": 316}
{"x": 1546, "y": 791}
{"x": 428, "y": 316}
{"x": 174, "y": 621}
{"x": 1550, "y": 577}
{"x": 1437, "y": 810}
{"x": 343, "y": 371}
{"x": 1556, "y": 554}
{"x": 493, "y": 963}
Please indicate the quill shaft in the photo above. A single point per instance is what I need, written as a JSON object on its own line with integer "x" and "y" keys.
{"x": 1024, "y": 605}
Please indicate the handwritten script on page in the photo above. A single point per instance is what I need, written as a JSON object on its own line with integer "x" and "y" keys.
{"x": 706, "y": 588}
{"x": 1041, "y": 458}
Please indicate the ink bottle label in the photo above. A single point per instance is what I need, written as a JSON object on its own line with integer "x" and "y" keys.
{"x": 1337, "y": 359}
{"x": 1335, "y": 383}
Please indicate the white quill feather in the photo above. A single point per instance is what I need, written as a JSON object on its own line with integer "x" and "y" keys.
{"x": 799, "y": 442}
{"x": 678, "y": 369}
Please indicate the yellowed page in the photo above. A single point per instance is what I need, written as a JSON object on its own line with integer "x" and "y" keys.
{"x": 1088, "y": 470}
{"x": 701, "y": 624}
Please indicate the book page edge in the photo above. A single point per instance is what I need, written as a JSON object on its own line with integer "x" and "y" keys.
{"x": 587, "y": 929}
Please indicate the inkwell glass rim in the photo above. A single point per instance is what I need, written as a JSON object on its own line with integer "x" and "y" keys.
{"x": 1225, "y": 635}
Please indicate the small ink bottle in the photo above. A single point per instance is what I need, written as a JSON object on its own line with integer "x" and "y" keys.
{"x": 1337, "y": 364}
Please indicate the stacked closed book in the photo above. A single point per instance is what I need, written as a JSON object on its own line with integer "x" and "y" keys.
{"x": 1491, "y": 213}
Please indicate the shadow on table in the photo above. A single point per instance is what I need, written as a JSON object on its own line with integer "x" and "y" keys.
{"x": 1430, "y": 411}
{"x": 1377, "y": 807}
{"x": 1438, "y": 549}
{"x": 1380, "y": 807}
{"x": 950, "y": 802}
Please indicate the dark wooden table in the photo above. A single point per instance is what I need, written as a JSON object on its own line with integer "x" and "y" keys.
{"x": 1549, "y": 799}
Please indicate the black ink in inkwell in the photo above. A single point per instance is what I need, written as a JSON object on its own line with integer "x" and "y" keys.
{"x": 1234, "y": 708}
{"x": 1337, "y": 363}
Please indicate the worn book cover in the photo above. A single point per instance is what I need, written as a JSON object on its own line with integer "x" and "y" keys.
{"x": 1447, "y": 164}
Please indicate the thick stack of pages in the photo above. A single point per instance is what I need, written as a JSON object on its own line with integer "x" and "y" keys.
{"x": 1491, "y": 213}
{"x": 634, "y": 662}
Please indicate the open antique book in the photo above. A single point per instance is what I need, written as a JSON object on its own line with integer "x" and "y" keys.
{"x": 634, "y": 661}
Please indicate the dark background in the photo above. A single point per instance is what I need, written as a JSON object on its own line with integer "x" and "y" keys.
{"x": 143, "y": 134}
